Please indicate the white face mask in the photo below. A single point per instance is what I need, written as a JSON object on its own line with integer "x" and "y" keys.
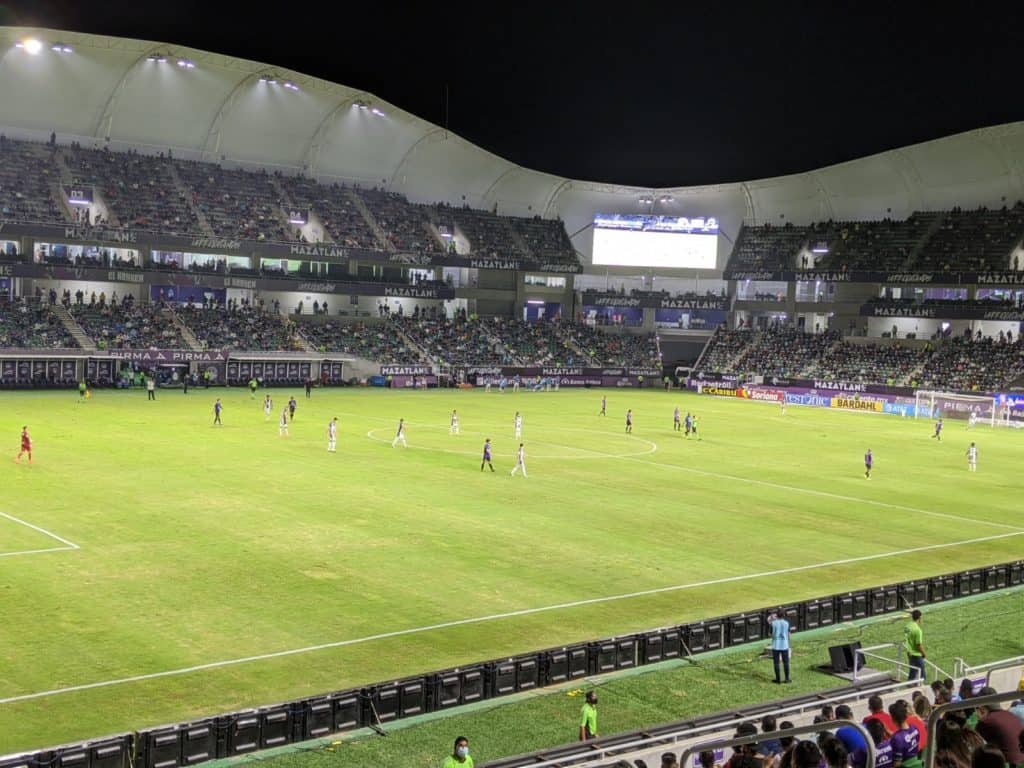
{"x": 462, "y": 752}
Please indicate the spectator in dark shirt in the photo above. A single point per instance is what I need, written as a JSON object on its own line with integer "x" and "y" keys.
{"x": 1000, "y": 729}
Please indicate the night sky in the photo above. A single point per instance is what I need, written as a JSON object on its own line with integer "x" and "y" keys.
{"x": 652, "y": 95}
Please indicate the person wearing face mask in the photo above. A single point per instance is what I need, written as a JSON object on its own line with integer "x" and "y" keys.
{"x": 588, "y": 717}
{"x": 459, "y": 758}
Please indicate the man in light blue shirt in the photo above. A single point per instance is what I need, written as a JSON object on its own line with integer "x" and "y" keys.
{"x": 780, "y": 644}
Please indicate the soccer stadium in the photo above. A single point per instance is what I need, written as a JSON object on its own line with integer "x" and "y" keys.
{"x": 345, "y": 441}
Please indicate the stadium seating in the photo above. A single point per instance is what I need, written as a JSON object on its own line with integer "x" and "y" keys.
{"x": 28, "y": 174}
{"x": 243, "y": 328}
{"x": 28, "y": 325}
{"x": 876, "y": 245}
{"x": 545, "y": 239}
{"x": 405, "y": 225}
{"x": 236, "y": 203}
{"x": 127, "y": 326}
{"x": 768, "y": 247}
{"x": 974, "y": 240}
{"x": 138, "y": 189}
{"x": 374, "y": 342}
{"x": 725, "y": 347}
{"x": 489, "y": 235}
{"x": 608, "y": 349}
{"x": 334, "y": 206}
{"x": 982, "y": 365}
{"x": 891, "y": 364}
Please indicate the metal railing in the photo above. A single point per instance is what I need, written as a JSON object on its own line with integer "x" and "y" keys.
{"x": 898, "y": 661}
{"x": 962, "y": 669}
{"x": 688, "y": 753}
{"x": 589, "y": 751}
{"x": 972, "y": 703}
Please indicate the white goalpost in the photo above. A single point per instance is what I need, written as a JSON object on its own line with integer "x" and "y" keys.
{"x": 933, "y": 404}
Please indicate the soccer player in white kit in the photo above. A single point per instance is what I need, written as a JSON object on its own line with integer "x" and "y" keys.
{"x": 972, "y": 420}
{"x": 400, "y": 435}
{"x": 282, "y": 426}
{"x": 519, "y": 426}
{"x": 268, "y": 406}
{"x": 520, "y": 461}
{"x": 782, "y": 405}
{"x": 332, "y": 435}
{"x": 972, "y": 458}
{"x": 453, "y": 429}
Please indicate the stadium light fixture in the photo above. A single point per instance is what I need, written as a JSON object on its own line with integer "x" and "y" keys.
{"x": 377, "y": 112}
{"x": 157, "y": 57}
{"x": 534, "y": 301}
{"x": 186, "y": 64}
{"x": 30, "y": 45}
{"x": 666, "y": 199}
{"x": 819, "y": 249}
{"x": 61, "y": 48}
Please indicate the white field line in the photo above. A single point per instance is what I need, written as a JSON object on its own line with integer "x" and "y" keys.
{"x": 826, "y": 494}
{"x": 496, "y": 617}
{"x": 69, "y": 545}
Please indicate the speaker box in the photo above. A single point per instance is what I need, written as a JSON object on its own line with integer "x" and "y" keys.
{"x": 842, "y": 656}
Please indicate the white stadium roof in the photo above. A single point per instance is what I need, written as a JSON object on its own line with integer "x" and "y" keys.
{"x": 116, "y": 92}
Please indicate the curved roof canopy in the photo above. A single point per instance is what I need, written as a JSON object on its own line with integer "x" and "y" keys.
{"x": 135, "y": 93}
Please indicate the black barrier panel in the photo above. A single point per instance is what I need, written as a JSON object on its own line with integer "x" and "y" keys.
{"x": 382, "y": 702}
{"x": 716, "y": 634}
{"x": 625, "y": 652}
{"x": 672, "y": 643}
{"x": 412, "y": 699}
{"x": 846, "y": 608}
{"x": 913, "y": 593}
{"x": 503, "y": 678}
{"x": 820, "y": 613}
{"x": 603, "y": 656}
{"x": 792, "y": 614}
{"x": 27, "y": 761}
{"x": 860, "y": 605}
{"x": 969, "y": 583}
{"x": 997, "y": 578}
{"x": 884, "y": 600}
{"x": 348, "y": 711}
{"x": 111, "y": 753}
{"x": 319, "y": 719}
{"x": 161, "y": 749}
{"x": 556, "y": 664}
{"x": 936, "y": 588}
{"x": 696, "y": 638}
{"x": 755, "y": 627}
{"x": 579, "y": 662}
{"x": 1016, "y": 573}
{"x": 243, "y": 732}
{"x": 528, "y": 672}
{"x": 199, "y": 742}
{"x": 737, "y": 629}
{"x": 73, "y": 757}
{"x": 275, "y": 727}
{"x": 651, "y": 648}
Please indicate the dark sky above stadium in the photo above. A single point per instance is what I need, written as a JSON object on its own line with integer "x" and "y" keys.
{"x": 652, "y": 94}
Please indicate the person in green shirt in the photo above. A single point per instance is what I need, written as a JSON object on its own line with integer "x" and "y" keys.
{"x": 81, "y": 391}
{"x": 252, "y": 388}
{"x": 914, "y": 646}
{"x": 460, "y": 755}
{"x": 588, "y": 717}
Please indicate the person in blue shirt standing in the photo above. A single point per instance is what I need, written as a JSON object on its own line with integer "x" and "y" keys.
{"x": 780, "y": 645}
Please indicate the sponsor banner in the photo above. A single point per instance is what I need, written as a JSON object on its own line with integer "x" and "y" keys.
{"x": 857, "y": 404}
{"x": 1000, "y": 278}
{"x": 712, "y": 389}
{"x": 406, "y": 370}
{"x": 598, "y": 299}
{"x": 702, "y": 376}
{"x": 976, "y": 312}
{"x": 417, "y": 381}
{"x": 804, "y": 398}
{"x": 862, "y": 276}
{"x": 168, "y": 355}
{"x": 764, "y": 395}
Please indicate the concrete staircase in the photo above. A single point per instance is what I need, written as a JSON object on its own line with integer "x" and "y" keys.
{"x": 431, "y": 226}
{"x": 517, "y": 239}
{"x": 186, "y": 193}
{"x": 372, "y": 222}
{"x": 407, "y": 340}
{"x": 73, "y": 328}
{"x": 186, "y": 333}
{"x": 286, "y": 203}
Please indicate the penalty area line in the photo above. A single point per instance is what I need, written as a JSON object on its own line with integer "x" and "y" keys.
{"x": 497, "y": 617}
{"x": 67, "y": 544}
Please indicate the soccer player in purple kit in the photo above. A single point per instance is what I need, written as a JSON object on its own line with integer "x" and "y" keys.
{"x": 487, "y": 455}
{"x": 629, "y": 420}
{"x": 216, "y": 412}
{"x": 604, "y": 405}
{"x": 938, "y": 429}
{"x": 868, "y": 460}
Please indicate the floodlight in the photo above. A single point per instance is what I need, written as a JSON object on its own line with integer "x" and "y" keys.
{"x": 31, "y": 46}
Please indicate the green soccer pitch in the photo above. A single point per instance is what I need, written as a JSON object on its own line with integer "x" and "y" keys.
{"x": 155, "y": 568}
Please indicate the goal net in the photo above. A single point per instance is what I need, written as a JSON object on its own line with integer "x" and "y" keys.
{"x": 931, "y": 404}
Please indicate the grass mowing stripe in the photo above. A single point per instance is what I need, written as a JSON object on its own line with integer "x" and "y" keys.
{"x": 495, "y": 617}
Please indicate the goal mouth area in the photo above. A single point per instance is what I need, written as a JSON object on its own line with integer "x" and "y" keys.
{"x": 937, "y": 404}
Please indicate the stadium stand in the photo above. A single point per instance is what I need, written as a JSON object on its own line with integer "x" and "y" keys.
{"x": 127, "y": 325}
{"x": 405, "y": 225}
{"x": 876, "y": 245}
{"x": 544, "y": 238}
{"x": 341, "y": 218}
{"x": 973, "y": 365}
{"x": 29, "y": 325}
{"x": 455, "y": 342}
{"x": 28, "y": 175}
{"x": 768, "y": 247}
{"x": 489, "y": 235}
{"x": 237, "y": 204}
{"x": 612, "y": 349}
{"x": 138, "y": 189}
{"x": 974, "y": 240}
{"x": 373, "y": 342}
{"x": 241, "y": 328}
{"x": 724, "y": 348}
{"x": 891, "y": 364}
